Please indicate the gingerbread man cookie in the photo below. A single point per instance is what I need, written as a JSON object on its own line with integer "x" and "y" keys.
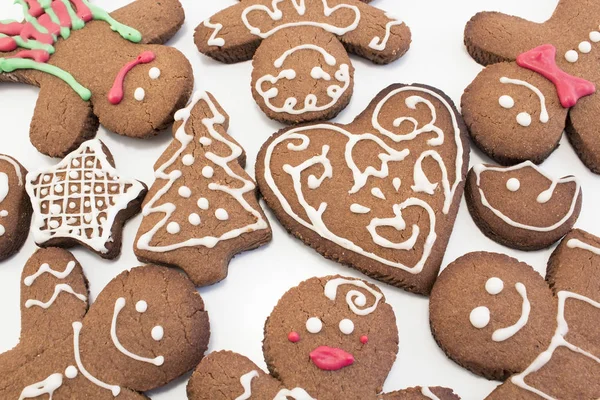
{"x": 542, "y": 81}
{"x": 301, "y": 70}
{"x": 15, "y": 207}
{"x": 83, "y": 200}
{"x": 498, "y": 318}
{"x": 92, "y": 66}
{"x": 521, "y": 206}
{"x": 328, "y": 338}
{"x": 203, "y": 207}
{"x": 379, "y": 194}
{"x": 146, "y": 328}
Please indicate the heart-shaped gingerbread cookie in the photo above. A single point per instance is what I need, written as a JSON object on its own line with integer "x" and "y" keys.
{"x": 379, "y": 194}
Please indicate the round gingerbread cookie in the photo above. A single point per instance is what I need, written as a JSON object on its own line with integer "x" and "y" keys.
{"x": 492, "y": 314}
{"x": 15, "y": 207}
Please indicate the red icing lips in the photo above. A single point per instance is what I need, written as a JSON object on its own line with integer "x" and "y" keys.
{"x": 330, "y": 358}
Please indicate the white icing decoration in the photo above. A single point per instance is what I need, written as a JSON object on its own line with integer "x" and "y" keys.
{"x": 359, "y": 209}
{"x": 58, "y": 289}
{"x": 377, "y": 193}
{"x": 425, "y": 391}
{"x": 194, "y": 219}
{"x": 377, "y": 43}
{"x": 246, "y": 382}
{"x": 397, "y": 182}
{"x": 115, "y": 390}
{"x": 314, "y": 325}
{"x": 214, "y": 40}
{"x": 204, "y": 141}
{"x": 513, "y": 184}
{"x": 157, "y": 333}
{"x": 208, "y": 172}
{"x": 295, "y": 394}
{"x": 506, "y": 101}
{"x": 576, "y": 243}
{"x": 4, "y": 186}
{"x": 585, "y": 47}
{"x": 503, "y": 334}
{"x": 521, "y": 118}
{"x": 494, "y": 286}
{"x": 595, "y": 36}
{"x": 119, "y": 305}
{"x": 139, "y": 94}
{"x": 543, "y": 196}
{"x": 154, "y": 73}
{"x": 187, "y": 160}
{"x": 480, "y": 317}
{"x": 334, "y": 91}
{"x": 173, "y": 228}
{"x": 571, "y": 56}
{"x": 71, "y": 372}
{"x": 346, "y": 326}
{"x": 45, "y": 269}
{"x": 524, "y": 119}
{"x": 92, "y": 232}
{"x": 185, "y": 192}
{"x": 237, "y": 193}
{"x": 47, "y": 386}
{"x": 558, "y": 340}
{"x": 141, "y": 306}
{"x": 354, "y": 298}
{"x": 221, "y": 214}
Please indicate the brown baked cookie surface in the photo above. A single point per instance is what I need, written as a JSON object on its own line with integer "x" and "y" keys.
{"x": 379, "y": 194}
{"x": 203, "y": 208}
{"x": 94, "y": 67}
{"x": 15, "y": 207}
{"x": 301, "y": 70}
{"x": 83, "y": 200}
{"x": 521, "y": 206}
{"x": 559, "y": 51}
{"x": 146, "y": 328}
{"x": 328, "y": 338}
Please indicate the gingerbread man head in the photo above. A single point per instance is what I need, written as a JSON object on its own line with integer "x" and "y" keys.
{"x": 147, "y": 327}
{"x": 299, "y": 50}
{"x": 542, "y": 81}
{"x": 94, "y": 67}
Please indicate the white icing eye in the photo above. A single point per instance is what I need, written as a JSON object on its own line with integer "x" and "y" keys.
{"x": 513, "y": 184}
{"x": 346, "y": 326}
{"x": 141, "y": 306}
{"x": 494, "y": 286}
{"x": 314, "y": 325}
{"x": 157, "y": 333}
{"x": 480, "y": 317}
{"x": 506, "y": 101}
{"x": 154, "y": 73}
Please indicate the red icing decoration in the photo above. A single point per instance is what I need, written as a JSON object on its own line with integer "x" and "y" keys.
{"x": 40, "y": 56}
{"x": 330, "y": 358}
{"x": 11, "y": 29}
{"x": 61, "y": 12}
{"x": 570, "y": 88}
{"x": 35, "y": 9}
{"x": 294, "y": 337}
{"x": 364, "y": 339}
{"x": 115, "y": 95}
{"x": 83, "y": 11}
{"x": 29, "y": 32}
{"x": 7, "y": 44}
{"x": 47, "y": 23}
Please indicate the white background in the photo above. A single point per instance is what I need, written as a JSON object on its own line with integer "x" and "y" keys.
{"x": 239, "y": 306}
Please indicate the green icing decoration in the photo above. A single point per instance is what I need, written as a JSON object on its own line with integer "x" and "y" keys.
{"x": 31, "y": 44}
{"x": 64, "y": 31}
{"x": 76, "y": 22}
{"x": 125, "y": 31}
{"x": 13, "y": 64}
{"x": 29, "y": 18}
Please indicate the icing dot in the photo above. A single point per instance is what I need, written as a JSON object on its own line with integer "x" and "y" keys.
{"x": 46, "y": 178}
{"x": 76, "y": 163}
{"x": 99, "y": 203}
{"x": 397, "y": 182}
{"x": 141, "y": 306}
{"x": 595, "y": 36}
{"x": 173, "y": 228}
{"x": 314, "y": 325}
{"x": 294, "y": 337}
{"x": 194, "y": 219}
{"x": 54, "y": 209}
{"x": 208, "y": 172}
{"x": 73, "y": 175}
{"x": 188, "y": 160}
{"x": 2, "y": 230}
{"x": 221, "y": 214}
{"x": 506, "y": 101}
{"x": 585, "y": 47}
{"x": 346, "y": 326}
{"x": 185, "y": 192}
{"x": 98, "y": 189}
{"x": 157, "y": 333}
{"x": 364, "y": 339}
{"x": 572, "y": 56}
{"x": 524, "y": 119}
{"x": 154, "y": 73}
{"x": 3, "y": 213}
{"x": 203, "y": 203}
{"x": 204, "y": 141}
{"x": 139, "y": 94}
{"x": 53, "y": 224}
{"x": 480, "y": 317}
{"x": 494, "y": 286}
{"x": 72, "y": 204}
{"x": 87, "y": 203}
{"x": 513, "y": 184}
{"x": 71, "y": 372}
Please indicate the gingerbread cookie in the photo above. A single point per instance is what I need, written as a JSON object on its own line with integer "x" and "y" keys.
{"x": 328, "y": 338}
{"x": 107, "y": 68}
{"x": 83, "y": 200}
{"x": 146, "y": 328}
{"x": 517, "y": 110}
{"x": 497, "y": 317}
{"x": 301, "y": 70}
{"x": 15, "y": 208}
{"x": 521, "y": 206}
{"x": 379, "y": 194}
{"x": 203, "y": 208}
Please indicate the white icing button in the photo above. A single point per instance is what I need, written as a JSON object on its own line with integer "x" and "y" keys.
{"x": 494, "y": 286}
{"x": 188, "y": 160}
{"x": 141, "y": 306}
{"x": 2, "y": 230}
{"x": 397, "y": 182}
{"x": 173, "y": 228}
{"x": 72, "y": 204}
{"x": 314, "y": 325}
{"x": 58, "y": 188}
{"x": 194, "y": 219}
{"x": 572, "y": 56}
{"x": 524, "y": 119}
{"x": 46, "y": 178}
{"x": 204, "y": 141}
{"x": 585, "y": 47}
{"x": 53, "y": 224}
{"x": 346, "y": 326}
{"x": 221, "y": 214}
{"x": 154, "y": 73}
{"x": 71, "y": 372}
{"x": 208, "y": 172}
{"x": 595, "y": 36}
{"x": 203, "y": 203}
{"x": 157, "y": 333}
{"x": 185, "y": 192}
{"x": 513, "y": 184}
{"x": 54, "y": 209}
{"x": 480, "y": 317}
{"x": 139, "y": 94}
{"x": 73, "y": 175}
{"x": 506, "y": 101}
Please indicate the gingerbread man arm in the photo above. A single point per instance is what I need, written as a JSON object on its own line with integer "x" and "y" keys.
{"x": 420, "y": 393}
{"x": 156, "y": 20}
{"x": 235, "y": 33}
